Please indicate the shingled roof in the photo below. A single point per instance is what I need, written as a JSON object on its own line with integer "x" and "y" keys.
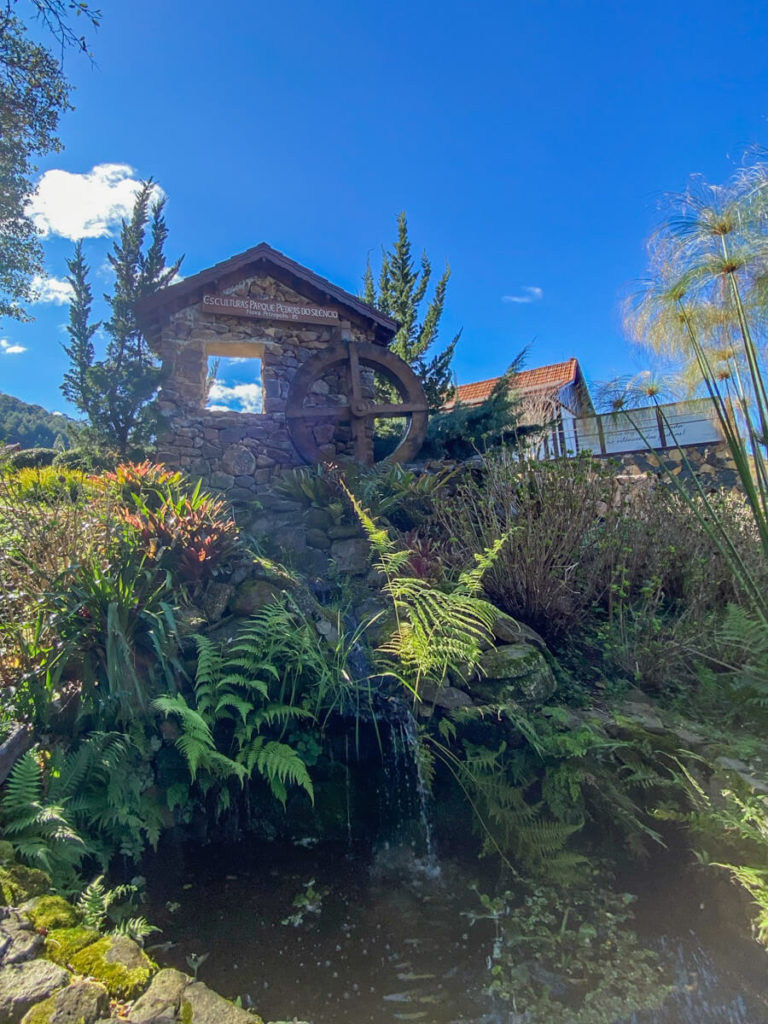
{"x": 542, "y": 379}
{"x": 154, "y": 309}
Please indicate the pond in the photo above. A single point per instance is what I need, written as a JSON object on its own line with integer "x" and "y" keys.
{"x": 334, "y": 935}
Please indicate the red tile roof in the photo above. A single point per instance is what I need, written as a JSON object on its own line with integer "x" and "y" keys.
{"x": 542, "y": 378}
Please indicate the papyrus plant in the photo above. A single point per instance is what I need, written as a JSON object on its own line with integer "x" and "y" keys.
{"x": 704, "y": 307}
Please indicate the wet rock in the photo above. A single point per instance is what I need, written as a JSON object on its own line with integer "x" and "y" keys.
{"x": 252, "y": 595}
{"x": 24, "y": 985}
{"x": 515, "y": 672}
{"x": 160, "y": 1003}
{"x": 82, "y": 1002}
{"x": 200, "y": 1005}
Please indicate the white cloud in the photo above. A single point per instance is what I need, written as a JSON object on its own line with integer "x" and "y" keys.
{"x": 51, "y": 289}
{"x": 530, "y": 293}
{"x": 86, "y": 205}
{"x": 238, "y": 397}
{"x": 7, "y": 349}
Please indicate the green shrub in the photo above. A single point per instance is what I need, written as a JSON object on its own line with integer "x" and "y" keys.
{"x": 33, "y": 458}
{"x": 595, "y": 563}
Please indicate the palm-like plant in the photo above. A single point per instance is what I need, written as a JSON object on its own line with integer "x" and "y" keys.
{"x": 705, "y": 307}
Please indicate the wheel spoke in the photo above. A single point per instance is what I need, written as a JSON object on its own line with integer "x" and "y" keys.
{"x": 319, "y": 412}
{"x": 406, "y": 409}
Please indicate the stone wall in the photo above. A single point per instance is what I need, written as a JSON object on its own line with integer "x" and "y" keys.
{"x": 712, "y": 464}
{"x": 238, "y": 453}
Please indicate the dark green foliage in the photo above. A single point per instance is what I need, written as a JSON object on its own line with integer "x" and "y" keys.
{"x": 32, "y": 458}
{"x": 62, "y": 809}
{"x": 275, "y": 677}
{"x": 77, "y": 386}
{"x": 42, "y": 831}
{"x": 401, "y": 293}
{"x": 113, "y": 392}
{"x": 33, "y": 95}
{"x": 570, "y": 956}
{"x": 467, "y": 430}
{"x": 31, "y": 426}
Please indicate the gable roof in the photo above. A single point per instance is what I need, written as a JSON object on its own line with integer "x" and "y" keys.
{"x": 542, "y": 379}
{"x": 154, "y": 309}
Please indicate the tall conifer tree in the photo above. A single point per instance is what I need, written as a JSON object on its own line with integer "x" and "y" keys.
{"x": 401, "y": 294}
{"x": 113, "y": 392}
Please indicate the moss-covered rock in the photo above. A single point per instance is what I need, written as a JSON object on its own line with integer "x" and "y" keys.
{"x": 118, "y": 963}
{"x": 160, "y": 1003}
{"x": 82, "y": 1002}
{"x": 514, "y": 672}
{"x": 7, "y": 852}
{"x": 61, "y": 944}
{"x": 53, "y": 912}
{"x": 19, "y": 884}
{"x": 201, "y": 1005}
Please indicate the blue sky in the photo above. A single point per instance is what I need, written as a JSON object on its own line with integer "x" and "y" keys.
{"x": 530, "y": 144}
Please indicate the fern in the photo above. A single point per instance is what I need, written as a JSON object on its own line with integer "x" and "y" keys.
{"x": 259, "y": 685}
{"x": 435, "y": 631}
{"x": 136, "y": 928}
{"x": 42, "y": 831}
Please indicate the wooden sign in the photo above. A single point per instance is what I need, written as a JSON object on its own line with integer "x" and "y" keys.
{"x": 261, "y": 307}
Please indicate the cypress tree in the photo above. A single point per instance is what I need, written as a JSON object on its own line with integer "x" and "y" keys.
{"x": 401, "y": 294}
{"x": 114, "y": 392}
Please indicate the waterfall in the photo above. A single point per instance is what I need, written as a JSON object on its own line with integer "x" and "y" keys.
{"x": 405, "y": 802}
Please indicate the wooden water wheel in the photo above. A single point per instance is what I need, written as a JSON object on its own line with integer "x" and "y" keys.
{"x": 315, "y": 417}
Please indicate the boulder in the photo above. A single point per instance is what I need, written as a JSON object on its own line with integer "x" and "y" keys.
{"x": 351, "y": 556}
{"x": 18, "y": 939}
{"x": 217, "y": 597}
{"x": 24, "y": 985}
{"x": 252, "y": 595}
{"x": 48, "y": 912}
{"x": 61, "y": 944}
{"x": 518, "y": 672}
{"x": 160, "y": 1003}
{"x": 82, "y": 1002}
{"x": 507, "y": 630}
{"x": 318, "y": 539}
{"x": 200, "y": 1005}
{"x": 318, "y": 519}
{"x": 118, "y": 963}
{"x": 449, "y": 698}
{"x": 19, "y": 884}
{"x": 238, "y": 460}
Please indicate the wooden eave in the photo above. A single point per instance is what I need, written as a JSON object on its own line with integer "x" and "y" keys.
{"x": 155, "y": 310}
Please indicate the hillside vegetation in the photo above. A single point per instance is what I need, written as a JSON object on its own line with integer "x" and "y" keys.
{"x": 31, "y": 426}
